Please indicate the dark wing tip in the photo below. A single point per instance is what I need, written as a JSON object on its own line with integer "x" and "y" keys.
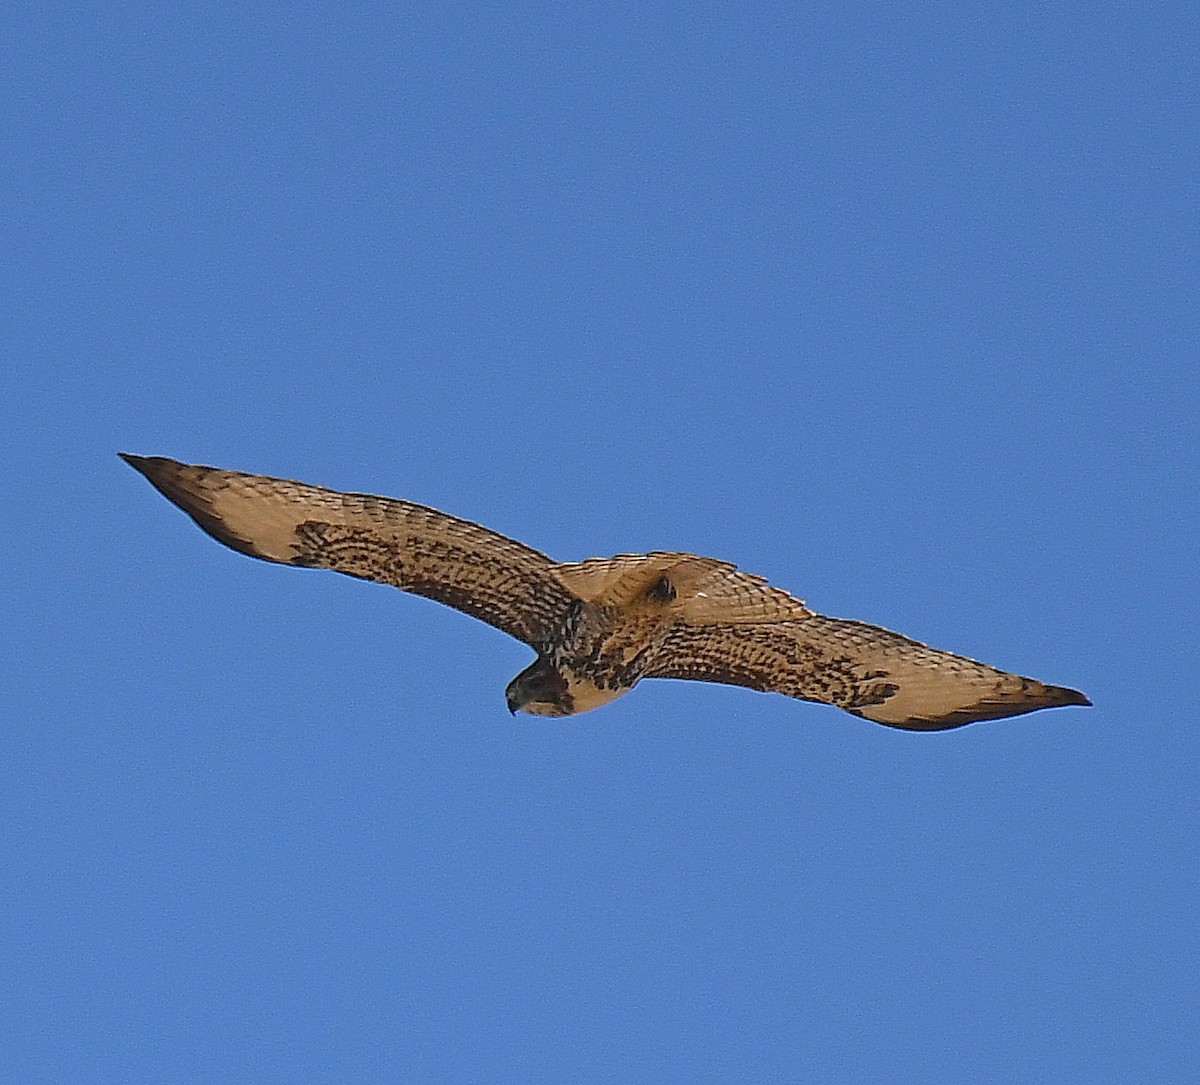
{"x": 180, "y": 484}
{"x": 150, "y": 466}
{"x": 1059, "y": 696}
{"x": 164, "y": 475}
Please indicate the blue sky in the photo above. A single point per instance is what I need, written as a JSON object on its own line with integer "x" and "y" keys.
{"x": 896, "y": 306}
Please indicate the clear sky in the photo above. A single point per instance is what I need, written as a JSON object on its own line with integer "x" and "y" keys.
{"x": 896, "y": 305}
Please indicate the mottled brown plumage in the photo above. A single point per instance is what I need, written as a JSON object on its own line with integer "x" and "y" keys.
{"x": 602, "y": 625}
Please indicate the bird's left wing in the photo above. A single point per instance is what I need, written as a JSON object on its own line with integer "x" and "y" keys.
{"x": 418, "y": 549}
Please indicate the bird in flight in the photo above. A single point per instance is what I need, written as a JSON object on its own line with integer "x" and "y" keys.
{"x": 601, "y": 626}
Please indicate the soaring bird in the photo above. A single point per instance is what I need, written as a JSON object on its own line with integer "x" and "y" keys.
{"x": 600, "y": 626}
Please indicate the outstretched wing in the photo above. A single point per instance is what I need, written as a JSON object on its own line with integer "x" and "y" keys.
{"x": 864, "y": 669}
{"x": 418, "y": 549}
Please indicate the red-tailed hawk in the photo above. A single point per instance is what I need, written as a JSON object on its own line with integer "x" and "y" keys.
{"x": 600, "y": 626}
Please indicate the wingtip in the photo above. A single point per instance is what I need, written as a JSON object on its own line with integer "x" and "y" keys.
{"x": 138, "y": 463}
{"x": 164, "y": 475}
{"x": 153, "y": 468}
{"x": 1036, "y": 697}
{"x": 1071, "y": 697}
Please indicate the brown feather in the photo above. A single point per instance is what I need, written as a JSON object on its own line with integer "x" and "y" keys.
{"x": 704, "y": 589}
{"x": 869, "y": 671}
{"x": 412, "y": 547}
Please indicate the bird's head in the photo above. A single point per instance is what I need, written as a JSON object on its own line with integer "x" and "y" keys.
{"x": 539, "y": 690}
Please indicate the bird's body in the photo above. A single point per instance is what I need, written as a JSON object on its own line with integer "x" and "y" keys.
{"x": 600, "y": 626}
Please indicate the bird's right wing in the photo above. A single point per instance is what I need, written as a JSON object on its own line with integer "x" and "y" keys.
{"x": 415, "y": 548}
{"x": 868, "y": 671}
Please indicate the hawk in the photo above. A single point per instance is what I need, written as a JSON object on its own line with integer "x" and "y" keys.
{"x": 600, "y": 626}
